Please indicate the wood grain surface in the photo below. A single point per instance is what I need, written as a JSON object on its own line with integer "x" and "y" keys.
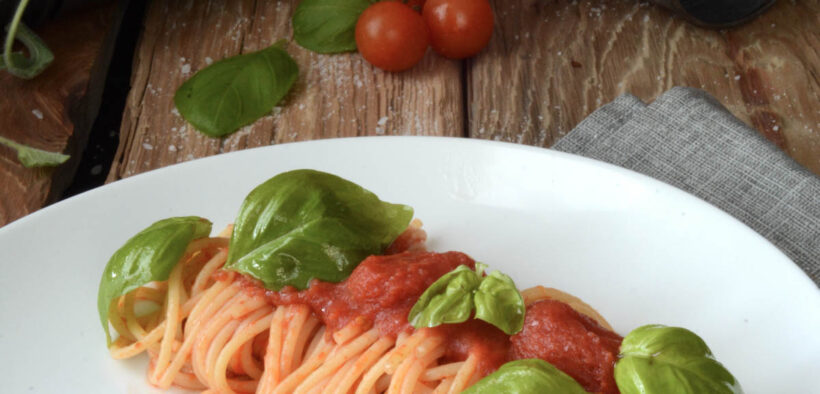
{"x": 549, "y": 65}
{"x": 54, "y": 111}
{"x": 335, "y": 96}
{"x": 560, "y": 60}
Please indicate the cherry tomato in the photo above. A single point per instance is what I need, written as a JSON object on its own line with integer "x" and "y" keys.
{"x": 458, "y": 28}
{"x": 391, "y": 36}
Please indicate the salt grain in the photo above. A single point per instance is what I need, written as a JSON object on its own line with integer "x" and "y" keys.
{"x": 186, "y": 69}
{"x": 208, "y": 60}
{"x": 172, "y": 148}
{"x": 147, "y": 146}
{"x": 96, "y": 170}
{"x": 737, "y": 77}
{"x": 382, "y": 121}
{"x": 37, "y": 113}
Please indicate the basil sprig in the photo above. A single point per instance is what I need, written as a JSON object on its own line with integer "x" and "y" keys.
{"x": 452, "y": 298}
{"x": 660, "y": 359}
{"x": 236, "y": 91}
{"x": 16, "y": 63}
{"x": 530, "y": 376}
{"x": 306, "y": 224}
{"x": 149, "y": 256}
{"x": 327, "y": 26}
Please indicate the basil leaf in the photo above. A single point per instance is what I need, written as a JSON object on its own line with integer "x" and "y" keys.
{"x": 149, "y": 256}
{"x": 530, "y": 376}
{"x": 306, "y": 224}
{"x": 660, "y": 359}
{"x": 499, "y": 303}
{"x": 33, "y": 157}
{"x": 236, "y": 91}
{"x": 448, "y": 300}
{"x": 327, "y": 26}
{"x": 40, "y": 57}
{"x": 451, "y": 299}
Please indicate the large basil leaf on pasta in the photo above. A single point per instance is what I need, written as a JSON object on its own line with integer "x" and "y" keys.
{"x": 306, "y": 224}
{"x": 149, "y": 256}
{"x": 236, "y": 91}
{"x": 530, "y": 376}
{"x": 499, "y": 303}
{"x": 659, "y": 359}
{"x": 448, "y": 300}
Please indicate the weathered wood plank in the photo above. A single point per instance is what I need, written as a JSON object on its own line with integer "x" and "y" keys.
{"x": 54, "y": 111}
{"x": 335, "y": 96}
{"x": 551, "y": 63}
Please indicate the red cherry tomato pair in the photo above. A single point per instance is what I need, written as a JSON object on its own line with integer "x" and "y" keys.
{"x": 392, "y": 36}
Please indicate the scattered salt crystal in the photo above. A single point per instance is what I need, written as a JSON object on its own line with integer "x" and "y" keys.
{"x": 172, "y": 148}
{"x": 182, "y": 60}
{"x": 382, "y": 121}
{"x": 174, "y": 111}
{"x": 208, "y": 60}
{"x": 646, "y": 18}
{"x": 776, "y": 128}
{"x": 37, "y": 113}
{"x": 737, "y": 77}
{"x": 147, "y": 146}
{"x": 96, "y": 170}
{"x": 186, "y": 69}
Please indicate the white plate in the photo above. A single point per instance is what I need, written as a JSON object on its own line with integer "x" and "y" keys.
{"x": 636, "y": 249}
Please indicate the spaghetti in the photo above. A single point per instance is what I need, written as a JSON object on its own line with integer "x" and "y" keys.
{"x": 207, "y": 329}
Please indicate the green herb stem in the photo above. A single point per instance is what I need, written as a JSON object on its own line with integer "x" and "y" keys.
{"x": 12, "y": 32}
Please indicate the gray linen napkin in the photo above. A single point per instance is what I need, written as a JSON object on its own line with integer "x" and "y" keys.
{"x": 687, "y": 139}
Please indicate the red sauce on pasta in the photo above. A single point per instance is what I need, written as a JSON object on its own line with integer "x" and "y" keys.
{"x": 572, "y": 342}
{"x": 383, "y": 289}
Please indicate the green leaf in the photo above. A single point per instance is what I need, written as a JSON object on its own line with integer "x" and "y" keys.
{"x": 149, "y": 256}
{"x": 236, "y": 91}
{"x": 15, "y": 62}
{"x": 306, "y": 224}
{"x": 327, "y": 26}
{"x": 452, "y": 298}
{"x": 448, "y": 300}
{"x": 499, "y": 303}
{"x": 673, "y": 360}
{"x": 530, "y": 376}
{"x": 33, "y": 157}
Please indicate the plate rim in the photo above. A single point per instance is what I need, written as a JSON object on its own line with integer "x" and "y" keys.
{"x": 578, "y": 159}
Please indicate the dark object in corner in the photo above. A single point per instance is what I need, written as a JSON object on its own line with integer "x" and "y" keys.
{"x": 39, "y": 11}
{"x": 717, "y": 13}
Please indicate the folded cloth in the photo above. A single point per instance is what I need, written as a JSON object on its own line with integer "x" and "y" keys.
{"x": 687, "y": 139}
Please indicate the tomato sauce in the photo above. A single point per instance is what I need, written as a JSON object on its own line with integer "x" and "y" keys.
{"x": 382, "y": 290}
{"x": 487, "y": 342}
{"x": 572, "y": 342}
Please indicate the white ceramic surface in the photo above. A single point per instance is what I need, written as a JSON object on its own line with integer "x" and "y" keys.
{"x": 636, "y": 249}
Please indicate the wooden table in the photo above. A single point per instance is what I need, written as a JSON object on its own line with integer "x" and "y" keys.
{"x": 550, "y": 64}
